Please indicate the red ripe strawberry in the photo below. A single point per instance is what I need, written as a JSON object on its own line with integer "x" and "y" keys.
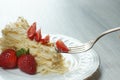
{"x": 45, "y": 40}
{"x": 31, "y": 31}
{"x": 8, "y": 59}
{"x": 27, "y": 64}
{"x": 61, "y": 46}
{"x": 38, "y": 35}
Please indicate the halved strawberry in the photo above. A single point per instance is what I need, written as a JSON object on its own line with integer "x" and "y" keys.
{"x": 31, "y": 31}
{"x": 8, "y": 59}
{"x": 45, "y": 40}
{"x": 27, "y": 64}
{"x": 61, "y": 46}
{"x": 38, "y": 35}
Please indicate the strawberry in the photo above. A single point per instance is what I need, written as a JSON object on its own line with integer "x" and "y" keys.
{"x": 27, "y": 64}
{"x": 31, "y": 31}
{"x": 61, "y": 46}
{"x": 45, "y": 40}
{"x": 38, "y": 35}
{"x": 8, "y": 59}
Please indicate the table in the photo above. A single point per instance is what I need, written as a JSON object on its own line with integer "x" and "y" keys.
{"x": 80, "y": 19}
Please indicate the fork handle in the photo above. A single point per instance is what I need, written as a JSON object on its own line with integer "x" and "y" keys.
{"x": 106, "y": 32}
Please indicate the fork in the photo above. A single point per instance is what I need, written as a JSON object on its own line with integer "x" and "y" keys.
{"x": 88, "y": 45}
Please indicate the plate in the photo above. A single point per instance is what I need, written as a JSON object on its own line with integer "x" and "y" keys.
{"x": 81, "y": 65}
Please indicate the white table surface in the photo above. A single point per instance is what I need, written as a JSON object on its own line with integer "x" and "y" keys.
{"x": 80, "y": 19}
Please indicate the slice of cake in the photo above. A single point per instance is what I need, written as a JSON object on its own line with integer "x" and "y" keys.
{"x": 14, "y": 36}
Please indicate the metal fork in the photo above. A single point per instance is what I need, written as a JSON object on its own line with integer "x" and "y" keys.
{"x": 87, "y": 46}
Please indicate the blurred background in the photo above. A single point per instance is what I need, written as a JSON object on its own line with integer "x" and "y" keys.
{"x": 80, "y": 19}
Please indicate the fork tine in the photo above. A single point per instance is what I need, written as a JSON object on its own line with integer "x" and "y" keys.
{"x": 74, "y": 51}
{"x": 77, "y": 47}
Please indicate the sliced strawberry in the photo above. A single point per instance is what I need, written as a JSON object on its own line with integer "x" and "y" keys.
{"x": 27, "y": 64}
{"x": 61, "y": 46}
{"x": 8, "y": 59}
{"x": 31, "y": 31}
{"x": 38, "y": 35}
{"x": 45, "y": 40}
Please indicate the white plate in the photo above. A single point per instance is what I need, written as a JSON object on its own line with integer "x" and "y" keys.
{"x": 81, "y": 65}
